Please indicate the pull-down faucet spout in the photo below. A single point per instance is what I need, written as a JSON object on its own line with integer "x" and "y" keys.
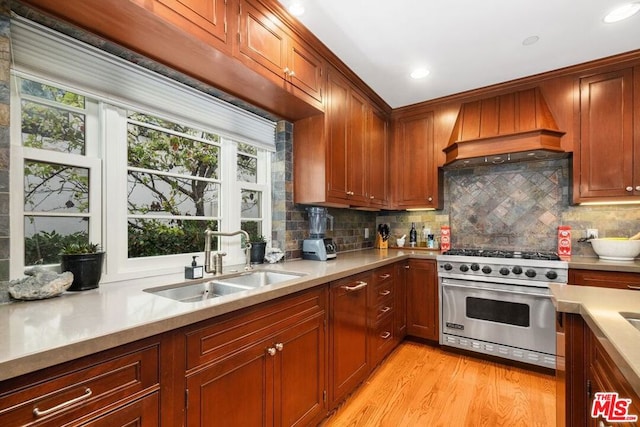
{"x": 209, "y": 263}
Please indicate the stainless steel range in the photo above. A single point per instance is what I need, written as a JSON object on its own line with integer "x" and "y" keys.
{"x": 498, "y": 303}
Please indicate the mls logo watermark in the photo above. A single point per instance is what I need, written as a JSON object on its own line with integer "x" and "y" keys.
{"x": 612, "y": 408}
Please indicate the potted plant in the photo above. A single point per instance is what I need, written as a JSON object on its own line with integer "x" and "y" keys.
{"x": 84, "y": 260}
{"x": 258, "y": 247}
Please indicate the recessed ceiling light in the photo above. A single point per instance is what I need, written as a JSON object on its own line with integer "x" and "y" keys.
{"x": 530, "y": 40}
{"x": 296, "y": 8}
{"x": 623, "y": 12}
{"x": 419, "y": 73}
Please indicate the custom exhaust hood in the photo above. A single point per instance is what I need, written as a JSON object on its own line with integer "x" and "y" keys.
{"x": 514, "y": 127}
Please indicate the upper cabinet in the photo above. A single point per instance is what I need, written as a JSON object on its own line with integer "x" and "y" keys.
{"x": 271, "y": 48}
{"x": 607, "y": 160}
{"x": 340, "y": 157}
{"x": 204, "y": 19}
{"x": 416, "y": 174}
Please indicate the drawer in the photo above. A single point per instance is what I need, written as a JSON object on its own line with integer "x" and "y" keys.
{"x": 383, "y": 338}
{"x": 53, "y": 397}
{"x": 384, "y": 275}
{"x": 213, "y": 340}
{"x": 383, "y": 309}
{"x": 605, "y": 279}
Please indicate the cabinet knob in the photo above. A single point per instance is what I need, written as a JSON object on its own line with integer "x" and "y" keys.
{"x": 373, "y": 197}
{"x": 629, "y": 188}
{"x": 292, "y": 73}
{"x": 406, "y": 266}
{"x": 430, "y": 199}
{"x": 271, "y": 351}
{"x": 637, "y": 187}
{"x": 279, "y": 346}
{"x": 286, "y": 70}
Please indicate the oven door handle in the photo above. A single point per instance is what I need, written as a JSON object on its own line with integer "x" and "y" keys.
{"x": 497, "y": 290}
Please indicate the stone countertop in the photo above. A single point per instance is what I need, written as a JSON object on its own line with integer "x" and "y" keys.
{"x": 39, "y": 334}
{"x": 595, "y": 263}
{"x": 601, "y": 308}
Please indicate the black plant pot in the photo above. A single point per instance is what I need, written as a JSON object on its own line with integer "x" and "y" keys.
{"x": 86, "y": 269}
{"x": 257, "y": 252}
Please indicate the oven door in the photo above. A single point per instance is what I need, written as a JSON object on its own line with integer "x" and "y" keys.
{"x": 512, "y": 315}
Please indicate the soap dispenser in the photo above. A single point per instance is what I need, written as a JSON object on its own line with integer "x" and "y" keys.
{"x": 194, "y": 271}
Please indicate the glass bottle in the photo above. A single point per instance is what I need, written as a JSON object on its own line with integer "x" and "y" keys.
{"x": 413, "y": 235}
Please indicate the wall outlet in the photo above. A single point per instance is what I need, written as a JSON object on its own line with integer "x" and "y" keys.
{"x": 366, "y": 233}
{"x": 592, "y": 233}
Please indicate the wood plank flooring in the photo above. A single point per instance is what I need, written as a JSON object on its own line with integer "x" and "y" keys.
{"x": 419, "y": 385}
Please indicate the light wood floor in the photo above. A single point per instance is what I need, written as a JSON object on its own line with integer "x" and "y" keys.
{"x": 418, "y": 385}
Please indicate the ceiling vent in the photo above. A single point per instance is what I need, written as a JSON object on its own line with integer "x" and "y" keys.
{"x": 506, "y": 128}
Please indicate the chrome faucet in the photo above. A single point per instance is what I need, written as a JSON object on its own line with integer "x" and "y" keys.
{"x": 213, "y": 262}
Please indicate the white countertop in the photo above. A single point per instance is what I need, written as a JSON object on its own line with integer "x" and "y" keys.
{"x": 601, "y": 308}
{"x": 39, "y": 334}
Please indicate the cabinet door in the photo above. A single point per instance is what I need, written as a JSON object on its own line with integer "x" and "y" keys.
{"x": 143, "y": 412}
{"x": 349, "y": 359}
{"x": 378, "y": 159}
{"x": 400, "y": 315}
{"x": 236, "y": 391}
{"x": 300, "y": 374}
{"x": 357, "y": 155}
{"x": 415, "y": 164}
{"x": 422, "y": 299}
{"x": 336, "y": 119}
{"x": 606, "y": 137}
{"x": 605, "y": 279}
{"x": 262, "y": 41}
{"x": 306, "y": 69}
{"x": 205, "y": 19}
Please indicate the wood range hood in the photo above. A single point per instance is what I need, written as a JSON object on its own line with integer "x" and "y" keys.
{"x": 507, "y": 128}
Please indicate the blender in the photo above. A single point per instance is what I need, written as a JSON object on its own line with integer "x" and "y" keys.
{"x": 317, "y": 247}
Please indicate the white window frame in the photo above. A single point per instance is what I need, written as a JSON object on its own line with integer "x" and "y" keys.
{"x": 41, "y": 54}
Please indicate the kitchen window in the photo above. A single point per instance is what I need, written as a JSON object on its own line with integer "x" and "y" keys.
{"x": 142, "y": 167}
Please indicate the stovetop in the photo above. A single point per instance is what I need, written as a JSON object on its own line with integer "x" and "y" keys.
{"x": 528, "y": 268}
{"x": 501, "y": 253}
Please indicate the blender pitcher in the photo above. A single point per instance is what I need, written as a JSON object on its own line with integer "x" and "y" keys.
{"x": 318, "y": 222}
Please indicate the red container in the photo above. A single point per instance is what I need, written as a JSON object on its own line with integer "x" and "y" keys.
{"x": 564, "y": 241}
{"x": 445, "y": 238}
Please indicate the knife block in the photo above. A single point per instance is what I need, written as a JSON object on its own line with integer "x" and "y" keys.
{"x": 381, "y": 244}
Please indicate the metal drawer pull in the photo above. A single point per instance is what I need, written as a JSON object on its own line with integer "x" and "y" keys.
{"x": 38, "y": 413}
{"x": 360, "y": 285}
{"x": 279, "y": 346}
{"x": 385, "y": 276}
{"x": 385, "y": 292}
{"x": 271, "y": 351}
{"x": 385, "y": 335}
{"x": 635, "y": 288}
{"x": 385, "y": 309}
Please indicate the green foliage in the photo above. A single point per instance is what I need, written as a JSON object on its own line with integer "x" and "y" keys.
{"x": 253, "y": 229}
{"x": 80, "y": 248}
{"x": 155, "y": 238}
{"x": 45, "y": 247}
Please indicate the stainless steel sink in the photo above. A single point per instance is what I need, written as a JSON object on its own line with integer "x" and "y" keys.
{"x": 197, "y": 291}
{"x": 259, "y": 278}
{"x": 633, "y": 318}
{"x": 193, "y": 292}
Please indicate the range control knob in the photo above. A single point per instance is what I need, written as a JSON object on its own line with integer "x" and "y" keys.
{"x": 551, "y": 275}
{"x": 504, "y": 271}
{"x": 486, "y": 269}
{"x": 530, "y": 273}
{"x": 448, "y": 267}
{"x": 517, "y": 270}
{"x": 475, "y": 267}
{"x": 464, "y": 268}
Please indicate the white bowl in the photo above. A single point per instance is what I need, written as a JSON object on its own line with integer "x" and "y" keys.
{"x": 616, "y": 249}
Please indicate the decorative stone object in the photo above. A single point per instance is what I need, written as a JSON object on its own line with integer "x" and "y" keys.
{"x": 40, "y": 284}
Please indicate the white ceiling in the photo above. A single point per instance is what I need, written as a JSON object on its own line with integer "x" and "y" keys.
{"x": 466, "y": 44}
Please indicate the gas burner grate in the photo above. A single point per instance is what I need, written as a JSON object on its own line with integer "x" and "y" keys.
{"x": 500, "y": 253}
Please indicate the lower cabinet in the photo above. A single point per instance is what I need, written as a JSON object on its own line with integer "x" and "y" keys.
{"x": 382, "y": 312}
{"x": 115, "y": 387}
{"x": 422, "y": 299}
{"x": 264, "y": 368}
{"x": 605, "y": 279}
{"x": 349, "y": 360}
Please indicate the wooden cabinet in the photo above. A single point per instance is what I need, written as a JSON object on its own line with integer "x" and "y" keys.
{"x": 605, "y": 279}
{"x": 422, "y": 299}
{"x": 205, "y": 19}
{"x": 607, "y": 159}
{"x": 417, "y": 176}
{"x": 382, "y": 312}
{"x": 402, "y": 269}
{"x": 349, "y": 362}
{"x": 119, "y": 386}
{"x": 270, "y": 47}
{"x": 265, "y": 367}
{"x": 340, "y": 157}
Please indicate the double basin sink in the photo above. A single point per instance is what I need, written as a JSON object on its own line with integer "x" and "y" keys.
{"x": 222, "y": 286}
